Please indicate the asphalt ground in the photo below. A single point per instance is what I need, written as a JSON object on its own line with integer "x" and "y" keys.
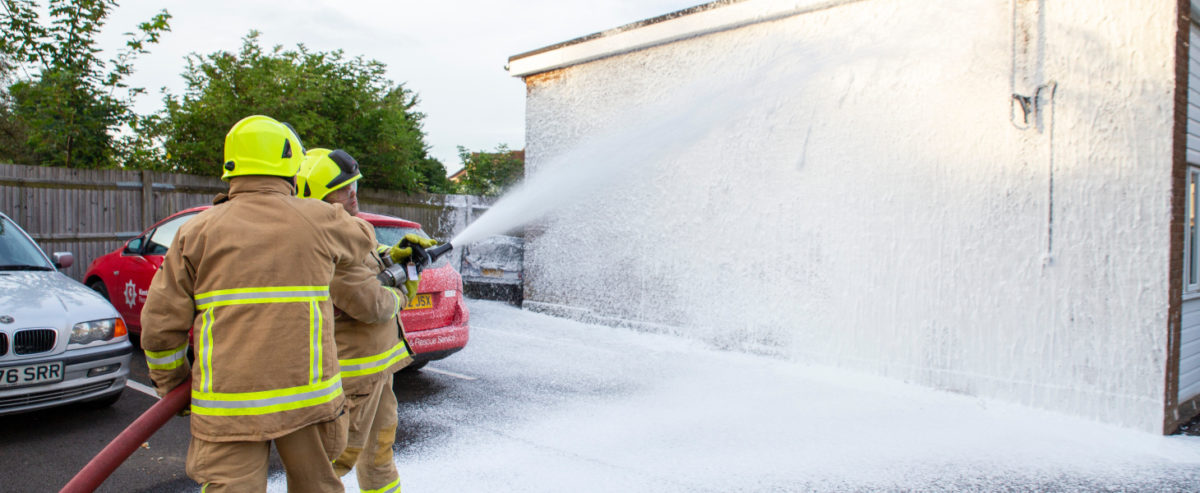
{"x": 473, "y": 390}
{"x": 43, "y": 450}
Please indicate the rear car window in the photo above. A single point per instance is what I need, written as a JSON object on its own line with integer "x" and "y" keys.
{"x": 164, "y": 235}
{"x": 390, "y": 235}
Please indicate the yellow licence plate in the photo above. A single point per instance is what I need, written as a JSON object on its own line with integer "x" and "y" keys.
{"x": 493, "y": 272}
{"x": 421, "y": 302}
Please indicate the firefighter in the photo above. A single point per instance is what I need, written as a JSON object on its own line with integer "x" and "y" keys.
{"x": 369, "y": 353}
{"x": 256, "y": 277}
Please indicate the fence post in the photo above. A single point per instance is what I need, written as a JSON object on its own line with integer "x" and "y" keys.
{"x": 147, "y": 199}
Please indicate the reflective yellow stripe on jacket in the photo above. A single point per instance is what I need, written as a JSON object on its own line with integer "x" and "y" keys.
{"x": 318, "y": 390}
{"x": 271, "y": 294}
{"x": 204, "y": 350}
{"x": 266, "y": 401}
{"x": 399, "y": 301}
{"x": 166, "y": 360}
{"x": 368, "y": 365}
{"x": 315, "y": 327}
{"x": 392, "y": 487}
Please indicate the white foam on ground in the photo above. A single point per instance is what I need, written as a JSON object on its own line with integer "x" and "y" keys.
{"x": 596, "y": 408}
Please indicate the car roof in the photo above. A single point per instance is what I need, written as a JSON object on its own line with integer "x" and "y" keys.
{"x": 386, "y": 220}
{"x": 371, "y": 217}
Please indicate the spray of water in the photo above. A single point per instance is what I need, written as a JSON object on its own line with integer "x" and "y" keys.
{"x": 653, "y": 135}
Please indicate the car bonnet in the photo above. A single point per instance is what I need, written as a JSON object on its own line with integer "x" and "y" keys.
{"x": 47, "y": 299}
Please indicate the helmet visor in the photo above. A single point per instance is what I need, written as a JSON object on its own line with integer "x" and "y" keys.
{"x": 347, "y": 166}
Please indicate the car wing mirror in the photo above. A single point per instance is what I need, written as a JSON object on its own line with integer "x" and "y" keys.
{"x": 135, "y": 245}
{"x": 62, "y": 260}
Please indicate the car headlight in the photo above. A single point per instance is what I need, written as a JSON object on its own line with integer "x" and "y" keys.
{"x": 97, "y": 330}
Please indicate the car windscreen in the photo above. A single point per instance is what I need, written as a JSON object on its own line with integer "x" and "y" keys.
{"x": 390, "y": 235}
{"x": 17, "y": 251}
{"x": 497, "y": 252}
{"x": 164, "y": 234}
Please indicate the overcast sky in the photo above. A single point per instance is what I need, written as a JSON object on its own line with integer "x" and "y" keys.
{"x": 450, "y": 52}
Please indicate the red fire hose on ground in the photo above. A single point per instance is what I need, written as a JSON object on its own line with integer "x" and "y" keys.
{"x": 104, "y": 463}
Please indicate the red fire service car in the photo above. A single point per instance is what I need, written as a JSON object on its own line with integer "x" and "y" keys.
{"x": 435, "y": 323}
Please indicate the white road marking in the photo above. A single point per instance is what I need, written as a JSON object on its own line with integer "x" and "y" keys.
{"x": 142, "y": 388}
{"x": 449, "y": 373}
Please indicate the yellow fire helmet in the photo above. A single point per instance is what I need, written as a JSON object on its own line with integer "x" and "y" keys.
{"x": 324, "y": 171}
{"x": 261, "y": 145}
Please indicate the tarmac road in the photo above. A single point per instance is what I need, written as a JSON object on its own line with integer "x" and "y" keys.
{"x": 540, "y": 404}
{"x": 43, "y": 450}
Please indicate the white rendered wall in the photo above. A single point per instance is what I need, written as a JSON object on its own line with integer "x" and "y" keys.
{"x": 848, "y": 187}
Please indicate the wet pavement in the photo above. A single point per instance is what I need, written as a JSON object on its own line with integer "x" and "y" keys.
{"x": 542, "y": 404}
{"x": 43, "y": 450}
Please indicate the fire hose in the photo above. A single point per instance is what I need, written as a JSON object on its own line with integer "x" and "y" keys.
{"x": 114, "y": 454}
{"x": 104, "y": 463}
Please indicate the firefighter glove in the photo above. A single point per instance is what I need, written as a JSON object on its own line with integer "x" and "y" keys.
{"x": 400, "y": 254}
{"x": 410, "y": 289}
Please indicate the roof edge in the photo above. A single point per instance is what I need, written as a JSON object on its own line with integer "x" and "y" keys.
{"x": 716, "y": 16}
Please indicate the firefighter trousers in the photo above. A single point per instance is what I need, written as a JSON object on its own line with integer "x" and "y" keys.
{"x": 242, "y": 466}
{"x": 371, "y": 433}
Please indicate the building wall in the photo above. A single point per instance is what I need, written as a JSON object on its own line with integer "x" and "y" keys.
{"x": 1189, "y": 340}
{"x": 857, "y": 186}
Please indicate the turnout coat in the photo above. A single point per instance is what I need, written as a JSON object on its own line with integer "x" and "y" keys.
{"x": 368, "y": 351}
{"x": 255, "y": 278}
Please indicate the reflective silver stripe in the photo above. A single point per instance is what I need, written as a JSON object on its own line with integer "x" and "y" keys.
{"x": 205, "y": 354}
{"x": 173, "y": 357}
{"x": 360, "y": 369}
{"x": 384, "y": 361}
{"x": 266, "y": 402}
{"x": 315, "y": 326}
{"x": 217, "y": 298}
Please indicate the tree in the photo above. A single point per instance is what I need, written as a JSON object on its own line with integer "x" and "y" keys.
{"x": 490, "y": 173}
{"x": 13, "y": 133}
{"x": 69, "y": 112}
{"x": 331, "y": 101}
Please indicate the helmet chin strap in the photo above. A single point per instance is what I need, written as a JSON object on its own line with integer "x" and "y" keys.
{"x": 291, "y": 181}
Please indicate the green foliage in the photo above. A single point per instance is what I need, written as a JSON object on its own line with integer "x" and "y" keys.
{"x": 332, "y": 101}
{"x": 68, "y": 112}
{"x": 490, "y": 173}
{"x": 13, "y": 133}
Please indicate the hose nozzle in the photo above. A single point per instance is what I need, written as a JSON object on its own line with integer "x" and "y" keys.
{"x": 438, "y": 251}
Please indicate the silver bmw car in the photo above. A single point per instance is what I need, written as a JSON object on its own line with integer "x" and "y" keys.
{"x": 60, "y": 342}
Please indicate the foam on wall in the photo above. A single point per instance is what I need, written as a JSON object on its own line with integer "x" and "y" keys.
{"x": 854, "y": 186}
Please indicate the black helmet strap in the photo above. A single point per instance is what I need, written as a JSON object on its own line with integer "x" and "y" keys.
{"x": 346, "y": 164}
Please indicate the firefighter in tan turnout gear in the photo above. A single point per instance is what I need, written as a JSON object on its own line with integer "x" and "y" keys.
{"x": 257, "y": 276}
{"x": 369, "y": 353}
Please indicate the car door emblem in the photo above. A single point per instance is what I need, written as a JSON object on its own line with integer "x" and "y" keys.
{"x": 5, "y": 319}
{"x": 130, "y": 293}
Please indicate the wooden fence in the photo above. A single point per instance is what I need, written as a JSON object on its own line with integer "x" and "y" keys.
{"x": 92, "y": 212}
